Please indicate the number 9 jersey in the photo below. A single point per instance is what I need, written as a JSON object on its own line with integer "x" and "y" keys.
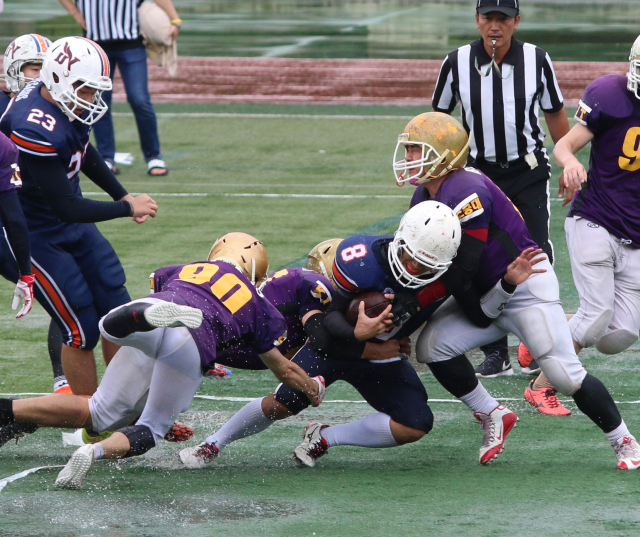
{"x": 611, "y": 195}
{"x": 234, "y": 312}
{"x": 38, "y": 127}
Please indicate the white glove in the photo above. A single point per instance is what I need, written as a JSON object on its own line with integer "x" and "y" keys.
{"x": 24, "y": 292}
{"x": 322, "y": 389}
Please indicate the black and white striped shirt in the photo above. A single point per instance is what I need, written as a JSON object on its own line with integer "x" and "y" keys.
{"x": 501, "y": 114}
{"x": 111, "y": 20}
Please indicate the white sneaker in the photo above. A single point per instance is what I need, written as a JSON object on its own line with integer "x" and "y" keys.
{"x": 313, "y": 446}
{"x": 75, "y": 472}
{"x": 199, "y": 456}
{"x": 173, "y": 315}
{"x": 628, "y": 453}
{"x": 495, "y": 426}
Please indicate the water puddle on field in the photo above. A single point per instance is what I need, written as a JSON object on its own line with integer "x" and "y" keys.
{"x": 92, "y": 513}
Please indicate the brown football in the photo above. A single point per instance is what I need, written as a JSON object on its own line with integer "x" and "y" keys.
{"x": 374, "y": 304}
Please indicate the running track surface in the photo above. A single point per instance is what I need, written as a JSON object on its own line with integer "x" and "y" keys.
{"x": 313, "y": 81}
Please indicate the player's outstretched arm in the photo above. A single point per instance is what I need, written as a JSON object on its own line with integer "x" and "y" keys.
{"x": 574, "y": 173}
{"x": 293, "y": 375}
{"x": 522, "y": 266}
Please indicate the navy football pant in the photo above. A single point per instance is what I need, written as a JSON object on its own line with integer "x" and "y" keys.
{"x": 393, "y": 388}
{"x": 79, "y": 278}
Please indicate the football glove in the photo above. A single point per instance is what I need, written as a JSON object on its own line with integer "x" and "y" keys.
{"x": 321, "y": 389}
{"x": 405, "y": 306}
{"x": 24, "y": 292}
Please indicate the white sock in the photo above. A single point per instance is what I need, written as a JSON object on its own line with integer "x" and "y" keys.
{"x": 247, "y": 421}
{"x": 98, "y": 451}
{"x": 620, "y": 431}
{"x": 374, "y": 431}
{"x": 479, "y": 400}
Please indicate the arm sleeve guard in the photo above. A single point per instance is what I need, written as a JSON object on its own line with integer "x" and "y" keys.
{"x": 335, "y": 321}
{"x": 327, "y": 346}
{"x": 494, "y": 300}
{"x": 17, "y": 231}
{"x": 465, "y": 264}
{"x": 52, "y": 179}
{"x": 95, "y": 168}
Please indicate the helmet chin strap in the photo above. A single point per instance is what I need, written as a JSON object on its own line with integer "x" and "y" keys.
{"x": 253, "y": 271}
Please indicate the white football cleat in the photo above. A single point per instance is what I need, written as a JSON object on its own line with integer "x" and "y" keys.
{"x": 173, "y": 315}
{"x": 495, "y": 428}
{"x": 628, "y": 453}
{"x": 73, "y": 475}
{"x": 313, "y": 446}
{"x": 199, "y": 456}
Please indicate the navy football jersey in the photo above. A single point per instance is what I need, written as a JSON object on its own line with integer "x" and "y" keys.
{"x": 234, "y": 313}
{"x": 5, "y": 99}
{"x": 40, "y": 128}
{"x": 361, "y": 264}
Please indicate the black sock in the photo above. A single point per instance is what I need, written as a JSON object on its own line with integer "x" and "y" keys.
{"x": 6, "y": 412}
{"x": 594, "y": 400}
{"x": 456, "y": 375}
{"x": 127, "y": 320}
{"x": 54, "y": 342}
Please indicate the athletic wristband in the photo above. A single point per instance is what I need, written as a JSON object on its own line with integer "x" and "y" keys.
{"x": 494, "y": 300}
{"x": 177, "y": 22}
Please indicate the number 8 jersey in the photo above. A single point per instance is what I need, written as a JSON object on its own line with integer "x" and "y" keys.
{"x": 611, "y": 196}
{"x": 40, "y": 128}
{"x": 234, "y": 313}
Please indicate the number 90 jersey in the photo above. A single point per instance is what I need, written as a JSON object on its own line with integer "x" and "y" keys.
{"x": 234, "y": 313}
{"x": 40, "y": 128}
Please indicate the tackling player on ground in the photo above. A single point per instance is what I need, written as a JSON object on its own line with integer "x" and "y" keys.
{"x": 434, "y": 145}
{"x": 199, "y": 309}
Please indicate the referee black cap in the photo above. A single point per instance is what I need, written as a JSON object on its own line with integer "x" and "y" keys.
{"x": 509, "y": 7}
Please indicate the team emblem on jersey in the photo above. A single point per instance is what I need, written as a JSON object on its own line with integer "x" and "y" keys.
{"x": 280, "y": 340}
{"x": 582, "y": 111}
{"x": 322, "y": 293}
{"x": 469, "y": 208}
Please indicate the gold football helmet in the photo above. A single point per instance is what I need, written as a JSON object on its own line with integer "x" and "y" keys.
{"x": 321, "y": 256}
{"x": 245, "y": 252}
{"x": 445, "y": 147}
{"x": 633, "y": 76}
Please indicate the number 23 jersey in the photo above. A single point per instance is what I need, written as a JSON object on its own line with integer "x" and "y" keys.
{"x": 38, "y": 127}
{"x": 611, "y": 195}
{"x": 234, "y": 313}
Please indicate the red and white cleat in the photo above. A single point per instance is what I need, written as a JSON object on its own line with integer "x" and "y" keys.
{"x": 313, "y": 446}
{"x": 628, "y": 453}
{"x": 545, "y": 401}
{"x": 495, "y": 428}
{"x": 199, "y": 456}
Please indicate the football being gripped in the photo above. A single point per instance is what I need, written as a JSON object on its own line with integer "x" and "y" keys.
{"x": 374, "y": 304}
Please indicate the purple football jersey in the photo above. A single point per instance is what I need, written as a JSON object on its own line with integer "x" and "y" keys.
{"x": 481, "y": 205}
{"x": 234, "y": 312}
{"x": 293, "y": 292}
{"x": 611, "y": 196}
{"x": 9, "y": 171}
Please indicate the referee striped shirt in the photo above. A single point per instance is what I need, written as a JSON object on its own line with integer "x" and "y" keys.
{"x": 500, "y": 113}
{"x": 111, "y": 20}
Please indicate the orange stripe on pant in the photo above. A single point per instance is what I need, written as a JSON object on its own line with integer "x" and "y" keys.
{"x": 60, "y": 307}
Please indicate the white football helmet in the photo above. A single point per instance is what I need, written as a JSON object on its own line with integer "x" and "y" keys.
{"x": 430, "y": 233}
{"x": 70, "y": 64}
{"x": 633, "y": 76}
{"x": 29, "y": 48}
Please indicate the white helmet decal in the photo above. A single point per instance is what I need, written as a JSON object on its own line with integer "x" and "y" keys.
{"x": 26, "y": 49}
{"x": 71, "y": 64}
{"x": 430, "y": 233}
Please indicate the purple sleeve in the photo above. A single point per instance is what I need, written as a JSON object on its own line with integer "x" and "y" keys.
{"x": 599, "y": 104}
{"x": 474, "y": 209}
{"x": 160, "y": 277}
{"x": 271, "y": 329}
{"x": 314, "y": 292}
{"x": 9, "y": 171}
